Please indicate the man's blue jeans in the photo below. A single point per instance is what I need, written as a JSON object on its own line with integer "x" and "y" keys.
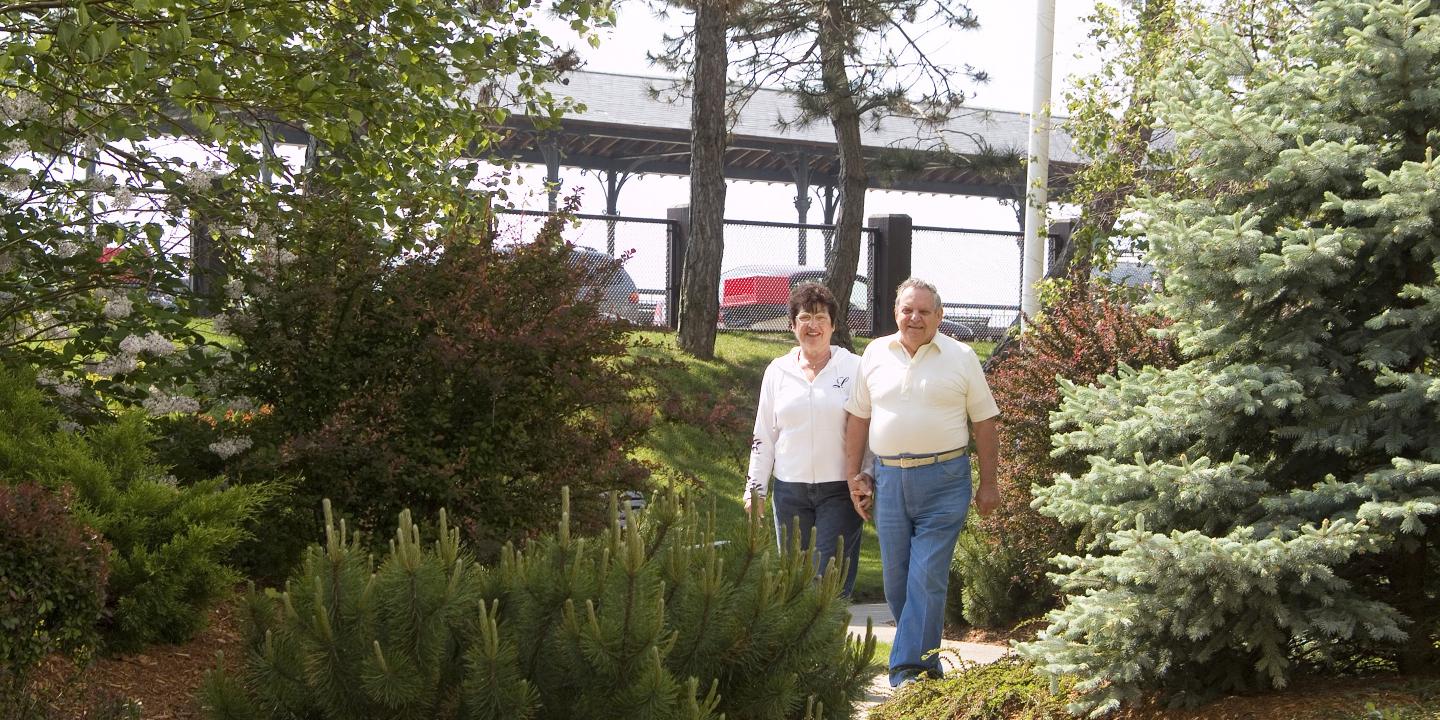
{"x": 919, "y": 513}
{"x": 826, "y": 507}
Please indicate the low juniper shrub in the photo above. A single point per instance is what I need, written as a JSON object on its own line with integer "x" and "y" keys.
{"x": 169, "y": 541}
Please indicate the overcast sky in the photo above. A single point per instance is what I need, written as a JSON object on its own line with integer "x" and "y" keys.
{"x": 1003, "y": 47}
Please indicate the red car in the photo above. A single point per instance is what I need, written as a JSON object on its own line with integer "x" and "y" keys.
{"x": 757, "y": 297}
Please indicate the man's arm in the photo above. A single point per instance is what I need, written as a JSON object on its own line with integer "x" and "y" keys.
{"x": 987, "y": 451}
{"x": 862, "y": 486}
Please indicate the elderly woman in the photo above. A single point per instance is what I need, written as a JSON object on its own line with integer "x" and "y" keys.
{"x": 800, "y": 435}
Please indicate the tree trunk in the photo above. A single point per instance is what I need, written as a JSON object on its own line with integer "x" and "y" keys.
{"x": 700, "y": 281}
{"x": 1412, "y": 582}
{"x": 843, "y": 258}
{"x": 207, "y": 264}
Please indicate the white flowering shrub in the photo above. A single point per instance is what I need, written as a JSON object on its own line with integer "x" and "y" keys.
{"x": 229, "y": 447}
{"x": 90, "y": 288}
{"x": 160, "y": 403}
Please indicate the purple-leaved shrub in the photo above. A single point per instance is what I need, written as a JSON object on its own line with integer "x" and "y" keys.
{"x": 461, "y": 375}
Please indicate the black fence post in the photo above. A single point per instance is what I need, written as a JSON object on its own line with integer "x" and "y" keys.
{"x": 207, "y": 268}
{"x": 892, "y": 266}
{"x": 1060, "y": 233}
{"x": 679, "y": 217}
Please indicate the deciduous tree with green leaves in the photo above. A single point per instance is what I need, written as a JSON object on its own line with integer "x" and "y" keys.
{"x": 1275, "y": 500}
{"x": 1112, "y": 123}
{"x": 127, "y": 127}
{"x": 1112, "y": 111}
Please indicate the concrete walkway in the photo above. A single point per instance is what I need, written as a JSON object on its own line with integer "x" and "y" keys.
{"x": 884, "y": 629}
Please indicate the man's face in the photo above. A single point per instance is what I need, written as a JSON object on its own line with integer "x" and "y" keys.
{"x": 917, "y": 316}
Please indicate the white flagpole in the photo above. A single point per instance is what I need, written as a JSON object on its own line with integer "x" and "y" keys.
{"x": 1037, "y": 174}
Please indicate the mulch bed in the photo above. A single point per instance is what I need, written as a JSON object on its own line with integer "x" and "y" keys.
{"x": 163, "y": 679}
{"x": 1306, "y": 699}
{"x": 1019, "y": 633}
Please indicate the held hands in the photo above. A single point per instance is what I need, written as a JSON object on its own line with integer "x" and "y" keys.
{"x": 862, "y": 494}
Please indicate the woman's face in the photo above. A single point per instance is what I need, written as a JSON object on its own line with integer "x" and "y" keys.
{"x": 813, "y": 327}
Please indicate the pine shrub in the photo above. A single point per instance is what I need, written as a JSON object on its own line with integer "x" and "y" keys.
{"x": 1274, "y": 502}
{"x": 169, "y": 542}
{"x": 52, "y": 584}
{"x": 988, "y": 588}
{"x": 656, "y": 620}
{"x": 464, "y": 376}
{"x": 1089, "y": 329}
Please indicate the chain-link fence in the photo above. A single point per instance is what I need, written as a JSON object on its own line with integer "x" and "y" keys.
{"x": 978, "y": 274}
{"x": 637, "y": 292}
{"x": 763, "y": 261}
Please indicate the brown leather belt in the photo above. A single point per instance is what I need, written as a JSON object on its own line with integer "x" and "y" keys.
{"x": 914, "y": 461}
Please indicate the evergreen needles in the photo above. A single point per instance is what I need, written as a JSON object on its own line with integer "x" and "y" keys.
{"x": 1272, "y": 502}
{"x": 659, "y": 619}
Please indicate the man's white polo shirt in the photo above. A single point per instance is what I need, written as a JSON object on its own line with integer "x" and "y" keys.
{"x": 920, "y": 405}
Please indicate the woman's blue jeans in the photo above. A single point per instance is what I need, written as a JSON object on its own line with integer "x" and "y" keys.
{"x": 825, "y": 507}
{"x": 919, "y": 513}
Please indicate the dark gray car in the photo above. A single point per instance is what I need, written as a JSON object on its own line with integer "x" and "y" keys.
{"x": 612, "y": 287}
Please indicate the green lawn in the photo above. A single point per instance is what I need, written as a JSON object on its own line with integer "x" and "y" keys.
{"x": 206, "y": 328}
{"x": 690, "y": 448}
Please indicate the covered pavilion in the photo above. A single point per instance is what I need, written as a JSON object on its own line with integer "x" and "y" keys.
{"x": 636, "y": 125}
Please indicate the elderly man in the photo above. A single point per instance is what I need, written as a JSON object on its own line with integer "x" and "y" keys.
{"x": 918, "y": 397}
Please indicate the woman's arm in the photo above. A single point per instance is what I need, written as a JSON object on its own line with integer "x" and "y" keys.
{"x": 762, "y": 444}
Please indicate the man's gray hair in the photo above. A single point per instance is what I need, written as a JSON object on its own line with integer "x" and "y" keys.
{"x": 915, "y": 282}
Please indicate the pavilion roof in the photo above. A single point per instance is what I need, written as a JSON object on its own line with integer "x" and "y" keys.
{"x": 641, "y": 124}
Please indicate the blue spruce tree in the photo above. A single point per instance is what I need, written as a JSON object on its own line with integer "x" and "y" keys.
{"x": 1275, "y": 501}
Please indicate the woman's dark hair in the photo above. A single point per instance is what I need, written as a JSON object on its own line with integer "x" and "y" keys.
{"x": 810, "y": 297}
